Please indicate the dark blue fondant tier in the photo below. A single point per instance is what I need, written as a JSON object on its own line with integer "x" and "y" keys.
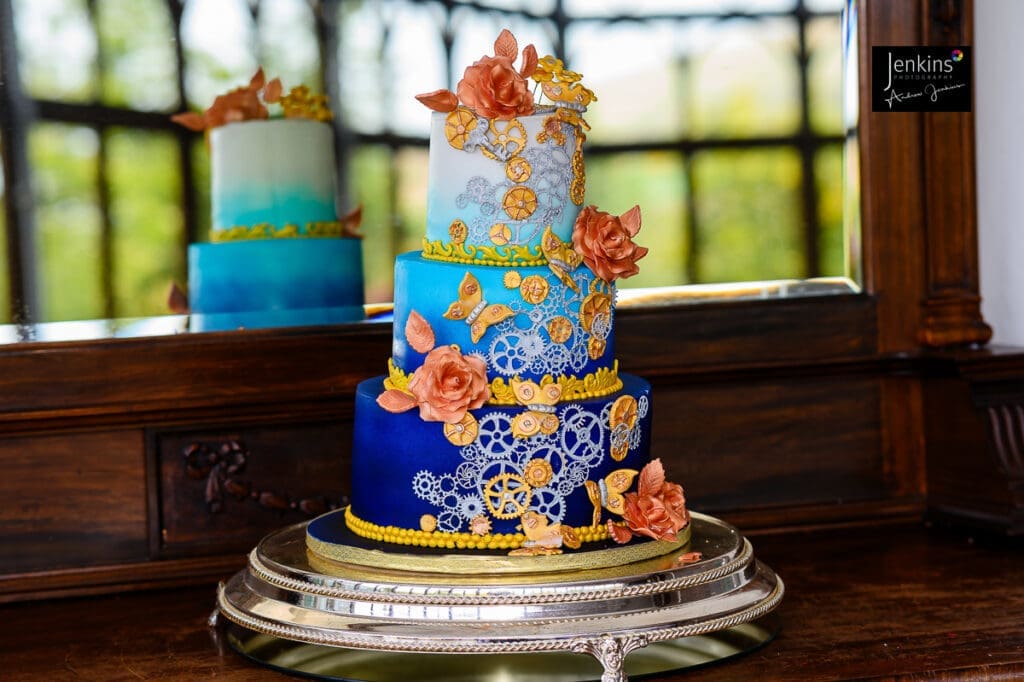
{"x": 404, "y": 468}
{"x": 531, "y": 323}
{"x": 276, "y": 276}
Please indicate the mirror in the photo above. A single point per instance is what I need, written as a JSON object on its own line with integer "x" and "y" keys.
{"x": 723, "y": 120}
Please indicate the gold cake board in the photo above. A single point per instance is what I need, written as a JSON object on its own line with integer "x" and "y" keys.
{"x": 357, "y": 623}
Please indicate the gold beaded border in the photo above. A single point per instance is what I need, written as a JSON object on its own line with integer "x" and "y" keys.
{"x": 321, "y": 228}
{"x": 441, "y": 540}
{"x": 505, "y": 256}
{"x": 604, "y": 381}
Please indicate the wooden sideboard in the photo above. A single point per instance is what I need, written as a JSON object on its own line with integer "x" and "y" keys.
{"x": 135, "y": 462}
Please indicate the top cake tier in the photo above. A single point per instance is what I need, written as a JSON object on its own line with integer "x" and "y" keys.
{"x": 496, "y": 185}
{"x": 273, "y": 178}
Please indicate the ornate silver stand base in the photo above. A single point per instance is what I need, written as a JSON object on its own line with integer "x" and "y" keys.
{"x": 605, "y": 613}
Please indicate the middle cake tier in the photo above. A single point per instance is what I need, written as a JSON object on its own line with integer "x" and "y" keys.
{"x": 533, "y": 323}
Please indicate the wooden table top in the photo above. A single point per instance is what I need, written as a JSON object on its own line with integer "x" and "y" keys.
{"x": 887, "y": 602}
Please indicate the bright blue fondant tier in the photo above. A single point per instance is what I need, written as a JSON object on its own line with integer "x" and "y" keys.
{"x": 526, "y": 344}
{"x": 404, "y": 467}
{"x": 275, "y": 275}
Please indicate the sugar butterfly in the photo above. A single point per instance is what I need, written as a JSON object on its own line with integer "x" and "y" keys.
{"x": 608, "y": 492}
{"x": 476, "y": 312}
{"x": 562, "y": 259}
{"x": 540, "y": 404}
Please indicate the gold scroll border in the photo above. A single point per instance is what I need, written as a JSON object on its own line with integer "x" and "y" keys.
{"x": 313, "y": 229}
{"x": 604, "y": 381}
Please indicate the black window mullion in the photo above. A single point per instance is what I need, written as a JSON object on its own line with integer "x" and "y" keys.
{"x": 184, "y": 139}
{"x": 807, "y": 147}
{"x": 15, "y": 121}
{"x": 107, "y": 262}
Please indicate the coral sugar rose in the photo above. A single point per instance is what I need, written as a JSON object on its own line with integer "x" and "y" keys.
{"x": 606, "y": 243}
{"x": 448, "y": 384}
{"x": 492, "y": 88}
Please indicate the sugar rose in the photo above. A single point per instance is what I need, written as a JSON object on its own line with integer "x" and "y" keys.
{"x": 492, "y": 88}
{"x": 653, "y": 516}
{"x": 606, "y": 243}
{"x": 448, "y": 384}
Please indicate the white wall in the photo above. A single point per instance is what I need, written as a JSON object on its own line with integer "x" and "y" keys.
{"x": 999, "y": 120}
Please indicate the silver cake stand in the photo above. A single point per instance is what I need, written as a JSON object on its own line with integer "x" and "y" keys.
{"x": 292, "y": 611}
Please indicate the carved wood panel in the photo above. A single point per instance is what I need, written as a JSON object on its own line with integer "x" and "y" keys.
{"x": 223, "y": 489}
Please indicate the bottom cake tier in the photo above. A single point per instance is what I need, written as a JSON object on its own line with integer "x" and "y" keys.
{"x": 276, "y": 281}
{"x": 412, "y": 485}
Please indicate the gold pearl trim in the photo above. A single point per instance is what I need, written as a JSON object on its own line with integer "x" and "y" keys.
{"x": 421, "y": 538}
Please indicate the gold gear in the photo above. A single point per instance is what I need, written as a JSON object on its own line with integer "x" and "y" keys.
{"x": 513, "y": 133}
{"x": 624, "y": 411}
{"x": 519, "y": 203}
{"x": 534, "y": 289}
{"x": 462, "y": 432}
{"x": 518, "y": 169}
{"x": 458, "y": 231}
{"x": 538, "y": 472}
{"x": 500, "y": 234}
{"x": 458, "y": 125}
{"x": 507, "y": 496}
{"x": 559, "y": 329}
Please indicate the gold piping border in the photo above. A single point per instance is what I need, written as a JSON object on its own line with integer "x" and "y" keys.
{"x": 313, "y": 229}
{"x": 604, "y": 381}
{"x": 504, "y": 256}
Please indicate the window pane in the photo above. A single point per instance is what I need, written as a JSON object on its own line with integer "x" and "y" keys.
{"x": 289, "y": 48}
{"x": 825, "y": 74}
{"x": 414, "y": 60}
{"x": 145, "y": 190}
{"x": 743, "y": 79}
{"x": 361, "y": 72}
{"x": 828, "y": 171}
{"x": 532, "y": 6}
{"x": 477, "y": 31}
{"x": 639, "y": 97}
{"x": 825, "y": 5}
{"x": 370, "y": 186}
{"x": 138, "y": 54}
{"x": 63, "y": 160}
{"x": 219, "y": 42}
{"x": 411, "y": 164}
{"x": 748, "y": 215}
{"x": 56, "y": 49}
{"x": 655, "y": 181}
{"x": 648, "y": 7}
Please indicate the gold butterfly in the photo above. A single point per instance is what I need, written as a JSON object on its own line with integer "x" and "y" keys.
{"x": 472, "y": 308}
{"x": 562, "y": 259}
{"x": 608, "y": 493}
{"x": 540, "y": 404}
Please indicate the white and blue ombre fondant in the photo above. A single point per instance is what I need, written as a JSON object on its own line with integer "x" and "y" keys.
{"x": 278, "y": 255}
{"x": 404, "y": 469}
{"x": 504, "y": 181}
{"x": 278, "y": 172}
{"x": 550, "y": 330}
